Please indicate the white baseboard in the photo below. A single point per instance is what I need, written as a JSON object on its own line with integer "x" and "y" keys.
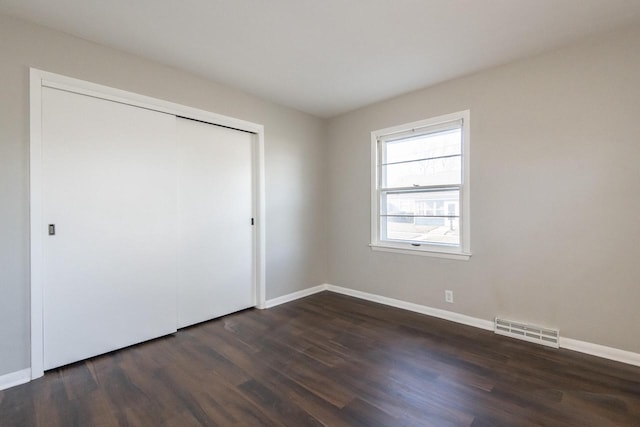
{"x": 610, "y": 353}
{"x": 568, "y": 343}
{"x": 15, "y": 378}
{"x": 417, "y": 308}
{"x": 294, "y": 296}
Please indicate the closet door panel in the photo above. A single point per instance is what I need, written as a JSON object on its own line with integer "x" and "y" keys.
{"x": 215, "y": 205}
{"x": 110, "y": 185}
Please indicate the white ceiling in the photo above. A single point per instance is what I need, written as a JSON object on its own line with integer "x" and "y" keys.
{"x": 327, "y": 57}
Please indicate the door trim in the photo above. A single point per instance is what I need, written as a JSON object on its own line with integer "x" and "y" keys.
{"x": 39, "y": 79}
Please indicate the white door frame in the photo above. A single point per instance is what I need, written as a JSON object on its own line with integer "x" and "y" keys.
{"x": 40, "y": 79}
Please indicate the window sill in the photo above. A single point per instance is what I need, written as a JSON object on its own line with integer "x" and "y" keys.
{"x": 462, "y": 256}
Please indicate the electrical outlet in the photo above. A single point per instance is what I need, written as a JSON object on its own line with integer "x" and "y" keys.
{"x": 448, "y": 296}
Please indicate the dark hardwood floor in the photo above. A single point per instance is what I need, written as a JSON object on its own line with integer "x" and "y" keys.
{"x": 330, "y": 360}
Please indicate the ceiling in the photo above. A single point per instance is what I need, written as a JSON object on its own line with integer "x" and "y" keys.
{"x": 327, "y": 57}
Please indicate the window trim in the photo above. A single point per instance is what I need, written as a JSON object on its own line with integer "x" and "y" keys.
{"x": 461, "y": 252}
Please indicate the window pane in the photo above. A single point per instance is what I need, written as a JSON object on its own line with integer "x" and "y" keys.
{"x": 439, "y": 144}
{"x": 443, "y": 171}
{"x": 419, "y": 229}
{"x": 422, "y": 203}
{"x": 425, "y": 216}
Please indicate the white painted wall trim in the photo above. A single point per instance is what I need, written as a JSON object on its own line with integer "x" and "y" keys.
{"x": 40, "y": 79}
{"x": 36, "y": 223}
{"x": 294, "y": 296}
{"x": 417, "y": 308}
{"x": 13, "y": 379}
{"x": 601, "y": 351}
{"x": 260, "y": 223}
{"x": 567, "y": 343}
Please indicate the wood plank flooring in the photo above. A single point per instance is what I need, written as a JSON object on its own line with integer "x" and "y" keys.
{"x": 330, "y": 360}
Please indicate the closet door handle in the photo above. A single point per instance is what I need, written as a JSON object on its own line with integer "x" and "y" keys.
{"x": 52, "y": 229}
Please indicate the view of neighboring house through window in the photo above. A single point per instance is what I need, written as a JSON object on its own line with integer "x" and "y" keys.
{"x": 420, "y": 197}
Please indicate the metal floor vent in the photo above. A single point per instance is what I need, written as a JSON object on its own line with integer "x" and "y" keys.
{"x": 531, "y": 333}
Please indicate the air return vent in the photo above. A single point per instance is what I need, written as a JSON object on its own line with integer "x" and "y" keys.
{"x": 531, "y": 333}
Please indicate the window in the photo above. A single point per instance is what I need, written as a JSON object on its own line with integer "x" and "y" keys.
{"x": 420, "y": 187}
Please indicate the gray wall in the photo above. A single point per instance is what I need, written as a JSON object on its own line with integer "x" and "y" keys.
{"x": 555, "y": 225}
{"x": 295, "y": 162}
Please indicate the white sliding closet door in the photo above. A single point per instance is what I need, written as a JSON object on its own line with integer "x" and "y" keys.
{"x": 109, "y": 185}
{"x": 215, "y": 210}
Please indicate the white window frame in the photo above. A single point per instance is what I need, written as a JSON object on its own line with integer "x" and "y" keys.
{"x": 461, "y": 252}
